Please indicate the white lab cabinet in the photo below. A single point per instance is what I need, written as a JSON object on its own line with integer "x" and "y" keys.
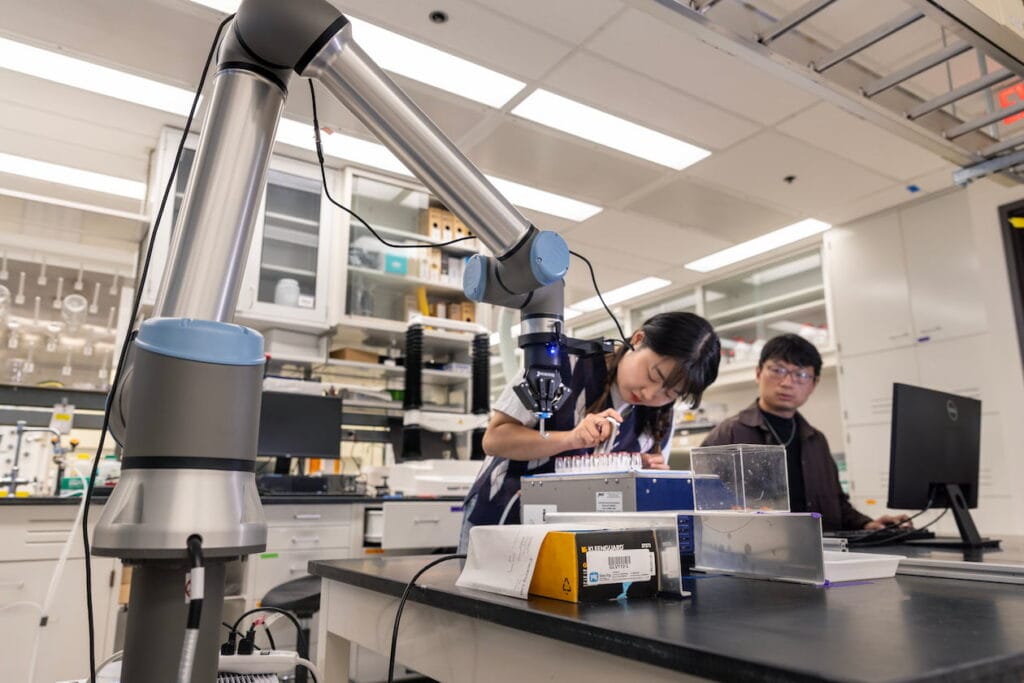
{"x": 870, "y": 295}
{"x": 32, "y": 537}
{"x": 867, "y": 465}
{"x": 287, "y": 277}
{"x": 865, "y": 383}
{"x": 942, "y": 269}
{"x": 964, "y": 366}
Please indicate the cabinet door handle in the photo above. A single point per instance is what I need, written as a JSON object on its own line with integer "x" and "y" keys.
{"x": 12, "y": 585}
{"x": 295, "y": 570}
{"x": 305, "y": 539}
{"x": 427, "y": 520}
{"x": 931, "y": 329}
{"x": 899, "y": 336}
{"x": 308, "y": 515}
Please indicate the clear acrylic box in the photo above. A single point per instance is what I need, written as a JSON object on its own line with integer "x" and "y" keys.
{"x": 749, "y": 477}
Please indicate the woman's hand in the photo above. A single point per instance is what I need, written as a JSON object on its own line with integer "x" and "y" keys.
{"x": 593, "y": 429}
{"x": 654, "y": 461}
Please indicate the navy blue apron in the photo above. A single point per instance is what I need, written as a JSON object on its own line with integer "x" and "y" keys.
{"x": 494, "y": 497}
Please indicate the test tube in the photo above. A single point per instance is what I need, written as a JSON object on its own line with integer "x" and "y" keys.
{"x": 78, "y": 281}
{"x": 35, "y": 310}
{"x": 12, "y": 335}
{"x": 66, "y": 369}
{"x": 59, "y": 299}
{"x": 113, "y": 285}
{"x": 3, "y": 268}
{"x": 30, "y": 364}
{"x": 110, "y": 318}
{"x": 41, "y": 280}
{"x": 637, "y": 462}
{"x": 94, "y": 307}
{"x": 19, "y": 298}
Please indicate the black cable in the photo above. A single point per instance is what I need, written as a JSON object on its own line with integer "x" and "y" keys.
{"x": 300, "y": 638}
{"x": 195, "y": 605}
{"x": 593, "y": 279}
{"x": 310, "y": 672}
{"x": 889, "y": 527}
{"x": 270, "y": 636}
{"x": 136, "y": 303}
{"x": 896, "y": 537}
{"x": 327, "y": 192}
{"x": 231, "y": 629}
{"x": 401, "y": 606}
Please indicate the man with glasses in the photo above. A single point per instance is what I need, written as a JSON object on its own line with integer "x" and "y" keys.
{"x": 787, "y": 373}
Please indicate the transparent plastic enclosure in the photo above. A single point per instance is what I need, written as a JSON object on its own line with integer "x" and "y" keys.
{"x": 747, "y": 477}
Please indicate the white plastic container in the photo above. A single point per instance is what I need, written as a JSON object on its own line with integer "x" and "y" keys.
{"x": 286, "y": 292}
{"x": 841, "y": 567}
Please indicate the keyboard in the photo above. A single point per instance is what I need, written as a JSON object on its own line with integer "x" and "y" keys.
{"x": 880, "y": 536}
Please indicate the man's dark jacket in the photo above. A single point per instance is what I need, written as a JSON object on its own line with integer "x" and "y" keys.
{"x": 821, "y": 477}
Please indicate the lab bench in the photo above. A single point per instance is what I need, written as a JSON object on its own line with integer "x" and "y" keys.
{"x": 908, "y": 628}
{"x": 300, "y": 529}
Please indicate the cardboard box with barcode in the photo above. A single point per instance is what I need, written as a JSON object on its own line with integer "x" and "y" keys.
{"x": 589, "y": 566}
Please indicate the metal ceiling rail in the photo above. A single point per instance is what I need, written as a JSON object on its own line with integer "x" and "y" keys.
{"x": 793, "y": 19}
{"x": 924, "y": 121}
{"x": 911, "y": 70}
{"x": 1008, "y": 143}
{"x": 982, "y": 121}
{"x": 866, "y": 40}
{"x": 977, "y": 85}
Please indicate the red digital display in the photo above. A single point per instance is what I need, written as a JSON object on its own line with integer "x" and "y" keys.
{"x": 1009, "y": 97}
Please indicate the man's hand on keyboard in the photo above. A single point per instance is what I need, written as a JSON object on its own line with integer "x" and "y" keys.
{"x": 902, "y": 521}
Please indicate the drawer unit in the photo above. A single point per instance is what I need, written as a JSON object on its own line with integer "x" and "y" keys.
{"x": 421, "y": 525}
{"x": 306, "y": 515}
{"x": 38, "y": 532}
{"x": 309, "y": 537}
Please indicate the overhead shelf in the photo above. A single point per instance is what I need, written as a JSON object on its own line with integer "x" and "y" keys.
{"x": 394, "y": 280}
{"x": 377, "y": 371}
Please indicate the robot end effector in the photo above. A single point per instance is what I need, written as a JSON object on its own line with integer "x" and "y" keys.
{"x": 529, "y": 277}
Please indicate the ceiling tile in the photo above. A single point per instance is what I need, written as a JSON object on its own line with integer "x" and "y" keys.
{"x": 595, "y": 81}
{"x": 472, "y": 32}
{"x": 67, "y": 193}
{"x": 721, "y": 215}
{"x": 928, "y": 183}
{"x": 571, "y": 20}
{"x": 756, "y": 167}
{"x": 78, "y": 136}
{"x": 658, "y": 242}
{"x": 536, "y": 156}
{"x": 834, "y": 130}
{"x": 149, "y": 39}
{"x": 644, "y": 44}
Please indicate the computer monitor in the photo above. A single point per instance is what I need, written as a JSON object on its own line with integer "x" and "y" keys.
{"x": 933, "y": 462}
{"x": 299, "y": 426}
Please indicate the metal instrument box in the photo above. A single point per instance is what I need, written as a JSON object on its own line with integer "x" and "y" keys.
{"x": 633, "y": 491}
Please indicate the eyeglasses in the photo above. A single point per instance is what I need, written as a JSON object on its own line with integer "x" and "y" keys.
{"x": 779, "y": 373}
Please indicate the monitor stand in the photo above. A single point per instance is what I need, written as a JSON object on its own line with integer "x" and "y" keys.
{"x": 969, "y": 536}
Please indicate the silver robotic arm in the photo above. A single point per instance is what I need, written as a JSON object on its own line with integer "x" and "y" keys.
{"x": 268, "y": 41}
{"x": 191, "y": 403}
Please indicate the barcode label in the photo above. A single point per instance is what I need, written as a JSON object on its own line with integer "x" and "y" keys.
{"x": 618, "y": 562}
{"x": 616, "y": 566}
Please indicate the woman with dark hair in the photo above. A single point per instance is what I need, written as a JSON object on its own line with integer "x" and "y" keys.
{"x": 673, "y": 356}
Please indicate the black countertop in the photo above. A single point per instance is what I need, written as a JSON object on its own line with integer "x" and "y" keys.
{"x": 904, "y": 629}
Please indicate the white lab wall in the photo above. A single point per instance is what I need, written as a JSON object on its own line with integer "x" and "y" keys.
{"x": 920, "y": 295}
